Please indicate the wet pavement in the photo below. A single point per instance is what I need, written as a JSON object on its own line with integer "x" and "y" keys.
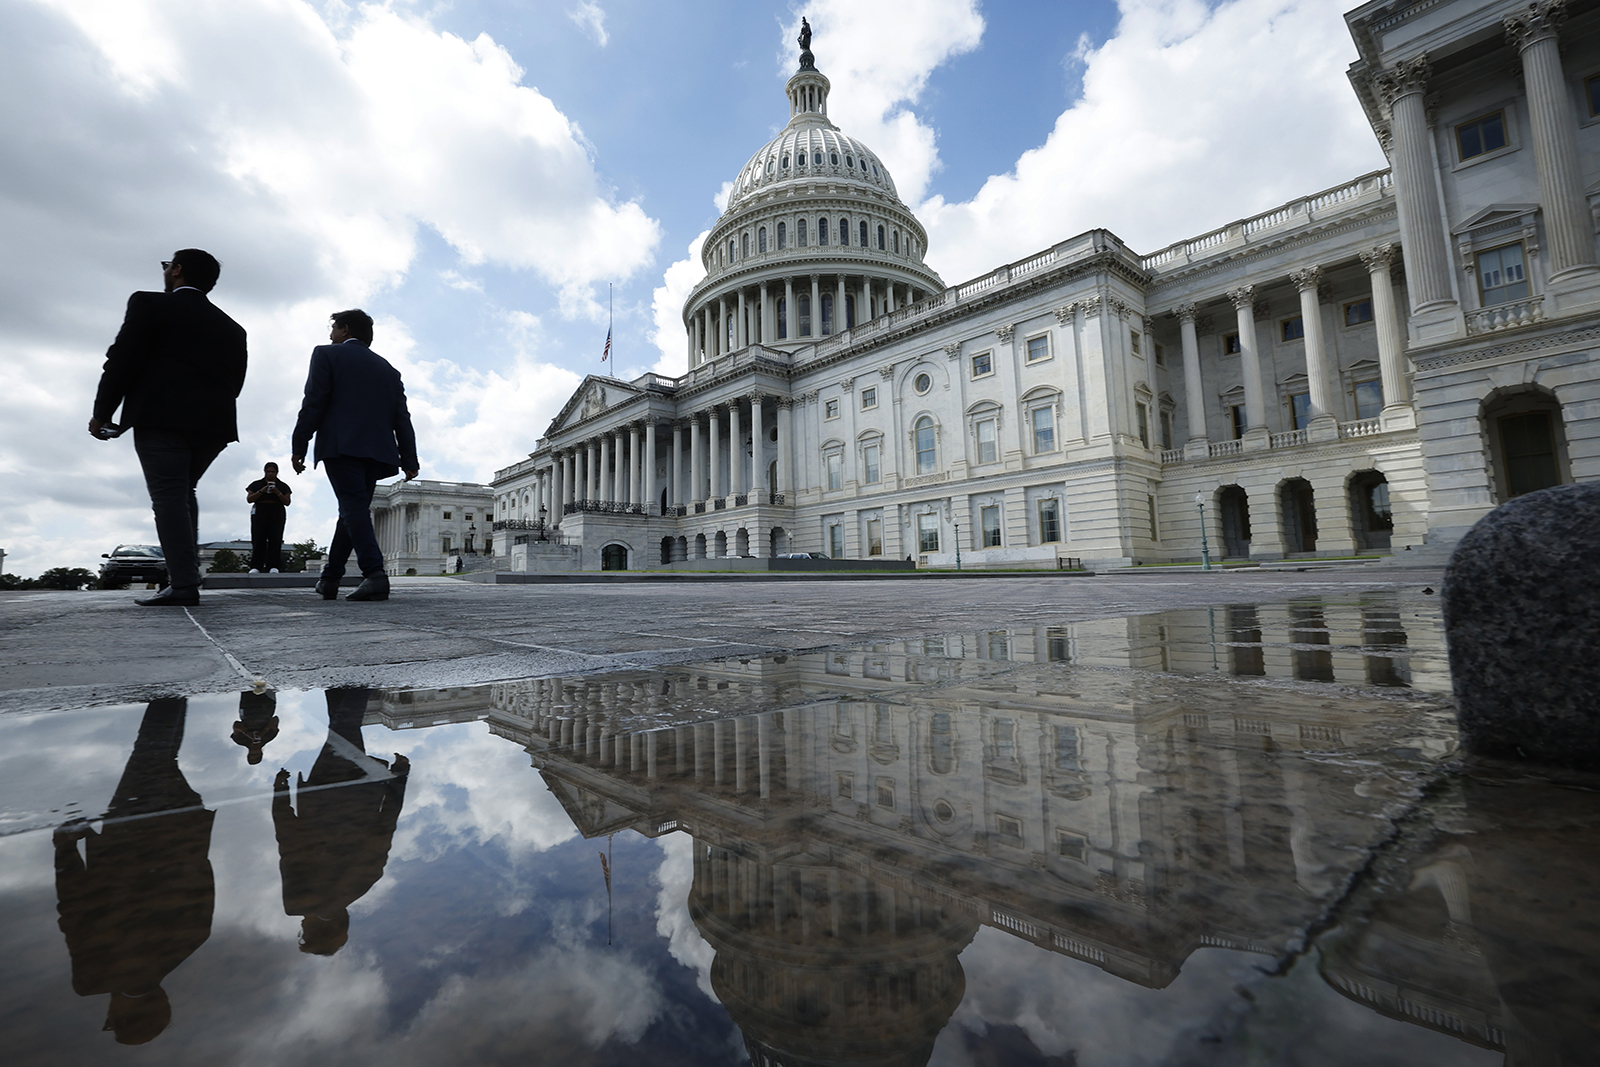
{"x": 1229, "y": 834}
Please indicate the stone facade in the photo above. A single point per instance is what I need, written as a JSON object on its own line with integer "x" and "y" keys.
{"x": 1329, "y": 378}
{"x": 423, "y": 525}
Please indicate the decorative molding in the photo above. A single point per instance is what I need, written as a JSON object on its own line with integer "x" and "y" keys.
{"x": 1242, "y": 297}
{"x": 1090, "y": 306}
{"x": 1309, "y": 278}
{"x": 1574, "y": 337}
{"x": 1534, "y": 23}
{"x": 1005, "y": 332}
{"x": 1405, "y": 77}
{"x": 1066, "y": 314}
{"x": 1149, "y": 325}
{"x": 1186, "y": 312}
{"x": 953, "y": 349}
{"x": 1119, "y": 309}
{"x": 786, "y": 401}
{"x": 848, "y": 384}
{"x": 809, "y": 396}
{"x": 1380, "y": 258}
{"x": 755, "y": 396}
{"x": 1203, "y": 324}
{"x": 887, "y": 371}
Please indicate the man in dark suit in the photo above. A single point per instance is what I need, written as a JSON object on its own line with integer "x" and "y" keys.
{"x": 356, "y": 405}
{"x": 176, "y": 369}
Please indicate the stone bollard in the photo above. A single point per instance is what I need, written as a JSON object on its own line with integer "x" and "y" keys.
{"x": 1522, "y": 615}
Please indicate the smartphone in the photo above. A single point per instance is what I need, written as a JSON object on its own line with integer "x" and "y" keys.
{"x": 109, "y": 430}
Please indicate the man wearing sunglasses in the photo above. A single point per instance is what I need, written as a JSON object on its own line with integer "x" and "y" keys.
{"x": 176, "y": 368}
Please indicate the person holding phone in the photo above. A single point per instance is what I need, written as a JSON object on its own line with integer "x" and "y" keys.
{"x": 269, "y": 500}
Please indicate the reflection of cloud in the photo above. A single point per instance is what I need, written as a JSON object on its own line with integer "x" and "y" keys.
{"x": 675, "y": 877}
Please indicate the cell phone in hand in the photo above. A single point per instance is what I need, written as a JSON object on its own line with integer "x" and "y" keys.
{"x": 109, "y": 430}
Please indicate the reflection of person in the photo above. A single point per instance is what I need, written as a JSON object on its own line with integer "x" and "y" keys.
{"x": 176, "y": 368}
{"x": 140, "y": 904}
{"x": 258, "y": 722}
{"x": 269, "y": 499}
{"x": 333, "y": 844}
{"x": 355, "y": 403}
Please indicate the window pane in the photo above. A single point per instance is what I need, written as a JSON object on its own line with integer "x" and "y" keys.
{"x": 870, "y": 461}
{"x": 1593, "y": 86}
{"x": 835, "y": 471}
{"x": 869, "y": 397}
{"x": 1230, "y": 344}
{"x": 928, "y": 533}
{"x": 927, "y": 453}
{"x": 1236, "y": 413}
{"x": 1049, "y": 522}
{"x": 1471, "y": 143}
{"x": 990, "y": 516}
{"x": 1369, "y": 400}
{"x": 1166, "y": 430}
{"x": 836, "y": 542}
{"x": 986, "y": 447}
{"x": 981, "y": 365}
{"x": 1044, "y": 430}
{"x": 1143, "y": 415}
{"x": 1530, "y": 452}
{"x": 874, "y": 537}
{"x": 1294, "y": 329}
{"x": 1301, "y": 405}
{"x": 1494, "y": 132}
{"x": 1358, "y": 312}
{"x": 1038, "y": 347}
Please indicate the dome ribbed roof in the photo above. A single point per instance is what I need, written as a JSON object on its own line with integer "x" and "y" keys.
{"x": 828, "y": 156}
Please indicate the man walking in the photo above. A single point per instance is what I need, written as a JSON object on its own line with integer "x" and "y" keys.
{"x": 269, "y": 499}
{"x": 176, "y": 368}
{"x": 355, "y": 403}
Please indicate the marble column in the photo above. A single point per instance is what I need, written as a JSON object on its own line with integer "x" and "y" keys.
{"x": 591, "y": 483}
{"x": 705, "y": 333}
{"x": 785, "y": 435}
{"x": 864, "y": 303}
{"x": 649, "y": 494}
{"x": 635, "y": 475}
{"x": 697, "y": 466}
{"x": 722, "y": 325}
{"x": 888, "y": 295}
{"x": 714, "y": 454}
{"x": 1255, "y": 408}
{"x": 1421, "y": 226}
{"x": 1568, "y": 226}
{"x": 741, "y": 331}
{"x": 816, "y": 306}
{"x": 1391, "y": 344}
{"x": 603, "y": 486}
{"x": 735, "y": 450}
{"x": 758, "y": 468}
{"x": 675, "y": 474}
{"x": 767, "y": 333}
{"x": 790, "y": 330}
{"x": 1323, "y": 425}
{"x": 689, "y": 340}
{"x": 839, "y": 317}
{"x": 1194, "y": 393}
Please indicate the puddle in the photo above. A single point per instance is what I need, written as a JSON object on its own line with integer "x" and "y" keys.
{"x": 1235, "y": 835}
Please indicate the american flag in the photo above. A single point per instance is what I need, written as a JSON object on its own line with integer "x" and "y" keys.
{"x": 607, "y": 353}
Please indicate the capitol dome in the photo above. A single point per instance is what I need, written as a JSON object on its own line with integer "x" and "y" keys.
{"x": 814, "y": 239}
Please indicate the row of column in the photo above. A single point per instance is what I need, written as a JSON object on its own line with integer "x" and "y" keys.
{"x": 749, "y": 314}
{"x": 1386, "y": 319}
{"x": 1553, "y": 129}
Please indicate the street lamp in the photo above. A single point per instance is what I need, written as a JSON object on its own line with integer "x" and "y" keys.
{"x": 958, "y": 543}
{"x": 1205, "y": 546}
{"x": 544, "y": 534}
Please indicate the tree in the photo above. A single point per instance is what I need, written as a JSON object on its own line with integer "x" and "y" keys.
{"x": 226, "y": 561}
{"x": 12, "y": 581}
{"x": 65, "y": 578}
{"x": 296, "y": 556}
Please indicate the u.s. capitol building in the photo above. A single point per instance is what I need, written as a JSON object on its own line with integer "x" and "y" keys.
{"x": 1367, "y": 369}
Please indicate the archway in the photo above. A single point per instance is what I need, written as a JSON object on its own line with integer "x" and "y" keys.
{"x": 1233, "y": 505}
{"x": 722, "y": 543}
{"x": 741, "y": 542}
{"x": 614, "y": 557}
{"x": 1371, "y": 519}
{"x": 780, "y": 540}
{"x": 699, "y": 546}
{"x": 666, "y": 551}
{"x": 1297, "y": 508}
{"x": 1527, "y": 441}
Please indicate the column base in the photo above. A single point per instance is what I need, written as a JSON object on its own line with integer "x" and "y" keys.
{"x": 1323, "y": 428}
{"x": 1574, "y": 289}
{"x": 1398, "y": 417}
{"x": 1197, "y": 448}
{"x": 1434, "y": 323}
{"x": 1256, "y": 439}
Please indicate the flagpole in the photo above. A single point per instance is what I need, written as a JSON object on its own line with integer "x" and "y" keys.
{"x": 611, "y": 314}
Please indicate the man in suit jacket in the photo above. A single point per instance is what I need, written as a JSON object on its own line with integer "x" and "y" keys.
{"x": 176, "y": 368}
{"x": 356, "y": 405}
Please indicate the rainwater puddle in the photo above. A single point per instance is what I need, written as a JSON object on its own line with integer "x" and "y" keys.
{"x": 1236, "y": 835}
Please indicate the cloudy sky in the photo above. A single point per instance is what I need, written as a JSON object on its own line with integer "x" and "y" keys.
{"x": 476, "y": 174}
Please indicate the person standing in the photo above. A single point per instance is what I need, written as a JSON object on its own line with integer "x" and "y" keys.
{"x": 269, "y": 499}
{"x": 175, "y": 369}
{"x": 355, "y": 403}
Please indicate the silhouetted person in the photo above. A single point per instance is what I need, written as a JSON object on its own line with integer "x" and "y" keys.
{"x": 141, "y": 903}
{"x": 176, "y": 368}
{"x": 334, "y": 847}
{"x": 269, "y": 497}
{"x": 258, "y": 722}
{"x": 355, "y": 403}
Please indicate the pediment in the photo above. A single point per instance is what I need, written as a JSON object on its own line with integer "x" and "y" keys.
{"x": 1498, "y": 215}
{"x": 594, "y": 815}
{"x": 1291, "y": 381}
{"x": 595, "y": 395}
{"x": 1362, "y": 366}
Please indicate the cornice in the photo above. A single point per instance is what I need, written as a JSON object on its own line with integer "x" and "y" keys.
{"x": 1163, "y": 281}
{"x": 1533, "y": 343}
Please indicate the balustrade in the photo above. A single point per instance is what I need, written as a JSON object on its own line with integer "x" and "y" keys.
{"x": 1506, "y": 316}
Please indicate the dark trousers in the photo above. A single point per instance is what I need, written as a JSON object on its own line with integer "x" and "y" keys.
{"x": 266, "y": 539}
{"x": 173, "y": 463}
{"x": 353, "y": 481}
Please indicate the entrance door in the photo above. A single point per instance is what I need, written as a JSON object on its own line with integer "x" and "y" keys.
{"x": 1298, "y": 508}
{"x": 614, "y": 558}
{"x": 1235, "y": 507}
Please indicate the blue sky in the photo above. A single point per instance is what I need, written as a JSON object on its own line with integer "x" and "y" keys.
{"x": 475, "y": 174}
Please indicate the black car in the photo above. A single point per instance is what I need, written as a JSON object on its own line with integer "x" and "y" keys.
{"x": 134, "y": 563}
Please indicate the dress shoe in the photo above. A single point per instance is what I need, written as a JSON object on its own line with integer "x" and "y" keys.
{"x": 172, "y": 598}
{"x": 373, "y": 588}
{"x": 328, "y": 588}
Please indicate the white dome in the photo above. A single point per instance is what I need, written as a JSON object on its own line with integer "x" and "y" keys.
{"x": 810, "y": 149}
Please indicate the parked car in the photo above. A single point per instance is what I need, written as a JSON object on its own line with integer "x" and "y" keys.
{"x": 803, "y": 555}
{"x": 134, "y": 563}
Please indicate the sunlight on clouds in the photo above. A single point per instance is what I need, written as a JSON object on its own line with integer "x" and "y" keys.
{"x": 676, "y": 876}
{"x": 131, "y": 38}
{"x": 591, "y": 18}
{"x": 667, "y": 309}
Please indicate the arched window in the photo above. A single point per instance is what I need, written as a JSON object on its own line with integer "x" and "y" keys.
{"x": 827, "y": 314}
{"x": 746, "y": 251}
{"x": 834, "y": 159}
{"x": 863, "y": 234}
{"x": 804, "y": 303}
{"x": 897, "y": 241}
{"x": 769, "y": 166}
{"x": 786, "y": 161}
{"x": 730, "y": 249}
{"x": 783, "y": 236}
{"x": 849, "y": 312}
{"x": 822, "y": 231}
{"x": 927, "y": 446}
{"x": 816, "y": 157}
{"x": 783, "y": 319}
{"x": 849, "y": 162}
{"x": 881, "y": 245}
{"x": 844, "y": 232}
{"x": 800, "y": 233}
{"x": 799, "y": 159}
{"x": 761, "y": 239}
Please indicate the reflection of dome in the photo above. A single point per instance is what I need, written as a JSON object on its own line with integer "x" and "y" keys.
{"x": 818, "y": 966}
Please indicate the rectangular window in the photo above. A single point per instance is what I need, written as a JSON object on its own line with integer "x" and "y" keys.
{"x": 1300, "y": 410}
{"x": 1044, "y": 429}
{"x": 447, "y": 516}
{"x": 1072, "y": 846}
{"x": 1293, "y": 329}
{"x": 886, "y": 792}
{"x": 1143, "y": 415}
{"x": 1166, "y": 429}
{"x": 1067, "y": 748}
{"x": 1481, "y": 135}
{"x": 869, "y": 460}
{"x": 830, "y": 409}
{"x": 1150, "y": 502}
{"x": 1369, "y": 399}
{"x": 1240, "y": 425}
{"x": 804, "y": 303}
{"x": 1008, "y": 830}
{"x": 847, "y": 787}
{"x": 982, "y": 365}
{"x": 1501, "y": 276}
{"x": 1049, "y": 521}
{"x": 1058, "y": 647}
{"x": 1591, "y": 90}
{"x": 1136, "y": 343}
{"x": 927, "y": 533}
{"x": 1230, "y": 344}
{"x": 987, "y": 452}
{"x": 446, "y": 544}
{"x": 836, "y": 542}
{"x": 989, "y": 516}
{"x": 874, "y": 537}
{"x": 1161, "y": 356}
{"x": 1005, "y": 738}
{"x": 1357, "y": 311}
{"x": 999, "y": 647}
{"x": 835, "y": 470}
{"x": 1038, "y": 348}
{"x": 869, "y": 398}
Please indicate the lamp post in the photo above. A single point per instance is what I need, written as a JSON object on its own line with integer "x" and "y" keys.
{"x": 1205, "y": 546}
{"x": 544, "y": 534}
{"x": 957, "y": 525}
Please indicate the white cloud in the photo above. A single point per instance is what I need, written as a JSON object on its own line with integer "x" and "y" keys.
{"x": 675, "y": 876}
{"x": 667, "y": 309}
{"x": 1191, "y": 116}
{"x": 591, "y": 18}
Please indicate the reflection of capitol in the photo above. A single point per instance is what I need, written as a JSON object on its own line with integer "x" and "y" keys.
{"x": 849, "y": 841}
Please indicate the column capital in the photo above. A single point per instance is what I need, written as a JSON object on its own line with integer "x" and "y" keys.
{"x": 1186, "y": 312}
{"x": 886, "y": 371}
{"x": 1309, "y": 278}
{"x": 1065, "y": 314}
{"x": 1090, "y": 306}
{"x": 848, "y": 384}
{"x": 785, "y": 402}
{"x": 1380, "y": 258}
{"x": 755, "y": 396}
{"x": 651, "y": 420}
{"x": 1535, "y": 22}
{"x": 678, "y": 425}
{"x": 815, "y": 278}
{"x": 1405, "y": 77}
{"x": 810, "y": 396}
{"x": 1005, "y": 332}
{"x": 953, "y": 349}
{"x": 1149, "y": 324}
{"x": 1119, "y": 309}
{"x": 1242, "y": 297}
